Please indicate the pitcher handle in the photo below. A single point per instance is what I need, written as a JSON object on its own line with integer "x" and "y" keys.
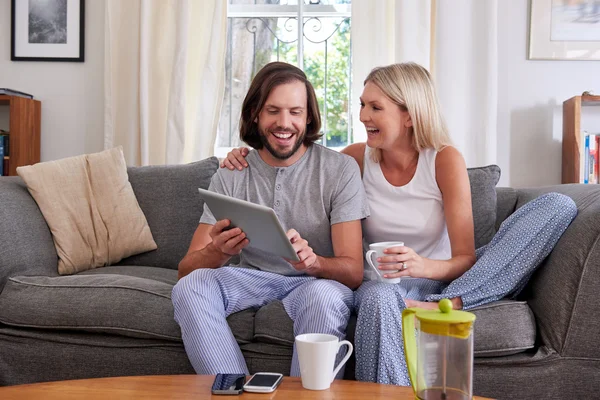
{"x": 346, "y": 357}
{"x": 410, "y": 344}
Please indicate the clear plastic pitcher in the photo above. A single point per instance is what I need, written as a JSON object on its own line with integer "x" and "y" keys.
{"x": 440, "y": 356}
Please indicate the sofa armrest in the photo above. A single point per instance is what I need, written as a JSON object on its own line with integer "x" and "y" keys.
{"x": 563, "y": 293}
{"x": 26, "y": 245}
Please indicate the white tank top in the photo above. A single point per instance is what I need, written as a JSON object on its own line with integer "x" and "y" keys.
{"x": 413, "y": 213}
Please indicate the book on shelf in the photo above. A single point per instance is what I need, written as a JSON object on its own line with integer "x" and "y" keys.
{"x": 594, "y": 147}
{"x": 12, "y": 92}
{"x": 5, "y": 140}
{"x": 589, "y": 159}
{"x": 592, "y": 159}
{"x": 2, "y": 157}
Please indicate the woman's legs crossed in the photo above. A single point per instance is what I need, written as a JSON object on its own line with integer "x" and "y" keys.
{"x": 523, "y": 241}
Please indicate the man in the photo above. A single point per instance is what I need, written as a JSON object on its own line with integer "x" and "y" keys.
{"x": 316, "y": 193}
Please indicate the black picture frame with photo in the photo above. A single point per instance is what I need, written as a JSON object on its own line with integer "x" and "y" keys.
{"x": 47, "y": 30}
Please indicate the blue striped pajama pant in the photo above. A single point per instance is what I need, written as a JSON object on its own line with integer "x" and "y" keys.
{"x": 503, "y": 268}
{"x": 206, "y": 297}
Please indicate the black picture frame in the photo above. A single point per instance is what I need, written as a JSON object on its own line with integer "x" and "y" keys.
{"x": 16, "y": 40}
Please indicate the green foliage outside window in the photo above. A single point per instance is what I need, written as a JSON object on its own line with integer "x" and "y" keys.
{"x": 335, "y": 116}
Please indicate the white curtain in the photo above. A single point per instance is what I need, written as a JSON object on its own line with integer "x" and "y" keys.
{"x": 164, "y": 78}
{"x": 457, "y": 41}
{"x": 386, "y": 32}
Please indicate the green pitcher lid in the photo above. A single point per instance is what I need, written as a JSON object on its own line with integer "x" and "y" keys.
{"x": 445, "y": 314}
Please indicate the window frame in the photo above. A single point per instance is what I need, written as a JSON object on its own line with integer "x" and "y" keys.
{"x": 299, "y": 11}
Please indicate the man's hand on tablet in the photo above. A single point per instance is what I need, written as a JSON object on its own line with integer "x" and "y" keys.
{"x": 308, "y": 259}
{"x": 228, "y": 240}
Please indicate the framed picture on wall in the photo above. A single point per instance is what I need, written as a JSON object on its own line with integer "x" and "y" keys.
{"x": 47, "y": 30}
{"x": 564, "y": 30}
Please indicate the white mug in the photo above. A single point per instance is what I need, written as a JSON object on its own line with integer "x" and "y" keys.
{"x": 317, "y": 353}
{"x": 377, "y": 250}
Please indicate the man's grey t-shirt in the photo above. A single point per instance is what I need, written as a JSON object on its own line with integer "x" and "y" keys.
{"x": 323, "y": 188}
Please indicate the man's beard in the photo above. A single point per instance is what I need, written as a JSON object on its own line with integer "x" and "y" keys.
{"x": 277, "y": 154}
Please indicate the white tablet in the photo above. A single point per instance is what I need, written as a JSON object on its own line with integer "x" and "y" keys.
{"x": 259, "y": 223}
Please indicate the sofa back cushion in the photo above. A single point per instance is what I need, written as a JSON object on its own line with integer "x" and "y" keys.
{"x": 507, "y": 202}
{"x": 26, "y": 246}
{"x": 483, "y": 182}
{"x": 168, "y": 196}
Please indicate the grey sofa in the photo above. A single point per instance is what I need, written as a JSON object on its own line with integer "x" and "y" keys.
{"x": 118, "y": 320}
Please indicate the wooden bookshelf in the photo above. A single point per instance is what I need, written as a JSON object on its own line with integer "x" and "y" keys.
{"x": 24, "y": 131}
{"x": 572, "y": 140}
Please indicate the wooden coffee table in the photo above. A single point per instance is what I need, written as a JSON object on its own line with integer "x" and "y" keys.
{"x": 196, "y": 387}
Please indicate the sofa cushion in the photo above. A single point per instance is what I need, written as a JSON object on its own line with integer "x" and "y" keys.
{"x": 128, "y": 301}
{"x": 501, "y": 328}
{"x": 269, "y": 326}
{"x": 123, "y": 300}
{"x": 90, "y": 208}
{"x": 483, "y": 182}
{"x": 168, "y": 196}
{"x": 242, "y": 325}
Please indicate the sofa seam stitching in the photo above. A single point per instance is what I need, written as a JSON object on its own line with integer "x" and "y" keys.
{"x": 88, "y": 287}
{"x": 81, "y": 327}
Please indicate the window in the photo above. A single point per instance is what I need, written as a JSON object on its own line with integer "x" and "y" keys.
{"x": 261, "y": 31}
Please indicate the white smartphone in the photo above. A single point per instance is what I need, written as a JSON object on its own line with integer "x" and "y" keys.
{"x": 263, "y": 382}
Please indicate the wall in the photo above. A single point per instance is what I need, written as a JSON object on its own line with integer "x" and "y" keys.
{"x": 72, "y": 94}
{"x": 530, "y": 96}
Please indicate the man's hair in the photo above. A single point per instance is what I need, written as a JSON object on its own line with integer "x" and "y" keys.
{"x": 409, "y": 85}
{"x": 269, "y": 77}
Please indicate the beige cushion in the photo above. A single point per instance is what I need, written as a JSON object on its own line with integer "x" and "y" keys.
{"x": 90, "y": 208}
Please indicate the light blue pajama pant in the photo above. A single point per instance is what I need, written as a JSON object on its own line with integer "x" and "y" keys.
{"x": 204, "y": 298}
{"x": 502, "y": 269}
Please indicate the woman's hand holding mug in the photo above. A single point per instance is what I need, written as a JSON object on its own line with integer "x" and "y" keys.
{"x": 401, "y": 261}
{"x": 384, "y": 269}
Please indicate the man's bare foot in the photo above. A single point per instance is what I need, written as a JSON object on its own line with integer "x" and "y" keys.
{"x": 433, "y": 305}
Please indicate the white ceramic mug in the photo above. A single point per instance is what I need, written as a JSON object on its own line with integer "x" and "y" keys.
{"x": 317, "y": 353}
{"x": 376, "y": 249}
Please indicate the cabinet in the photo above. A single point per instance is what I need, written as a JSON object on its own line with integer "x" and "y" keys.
{"x": 23, "y": 131}
{"x": 572, "y": 140}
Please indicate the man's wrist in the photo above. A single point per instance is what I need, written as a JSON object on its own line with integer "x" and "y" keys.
{"x": 315, "y": 268}
{"x": 216, "y": 252}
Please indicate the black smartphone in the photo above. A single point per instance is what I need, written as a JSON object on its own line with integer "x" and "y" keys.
{"x": 228, "y": 384}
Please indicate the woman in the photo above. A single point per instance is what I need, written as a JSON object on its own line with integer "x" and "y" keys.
{"x": 419, "y": 193}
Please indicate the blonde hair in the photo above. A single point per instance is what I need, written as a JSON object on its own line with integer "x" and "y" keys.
{"x": 409, "y": 86}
